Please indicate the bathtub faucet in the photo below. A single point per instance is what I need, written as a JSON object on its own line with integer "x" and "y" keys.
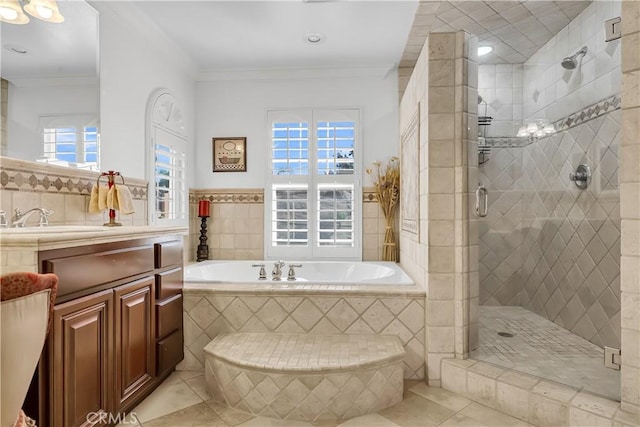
{"x": 276, "y": 273}
{"x": 292, "y": 273}
{"x": 262, "y": 275}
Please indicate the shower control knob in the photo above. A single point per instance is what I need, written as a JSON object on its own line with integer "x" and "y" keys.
{"x": 581, "y": 176}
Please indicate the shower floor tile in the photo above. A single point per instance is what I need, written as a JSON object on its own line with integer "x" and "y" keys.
{"x": 540, "y": 347}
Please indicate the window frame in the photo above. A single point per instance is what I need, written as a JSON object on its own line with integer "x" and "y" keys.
{"x": 165, "y": 115}
{"x": 314, "y": 182}
{"x": 79, "y": 122}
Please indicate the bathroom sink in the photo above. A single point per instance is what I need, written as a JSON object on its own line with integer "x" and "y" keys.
{"x": 54, "y": 229}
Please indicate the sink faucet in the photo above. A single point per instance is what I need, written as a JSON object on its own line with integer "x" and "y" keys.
{"x": 21, "y": 217}
{"x": 276, "y": 274}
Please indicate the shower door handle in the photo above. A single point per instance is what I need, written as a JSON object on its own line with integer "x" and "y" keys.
{"x": 481, "y": 192}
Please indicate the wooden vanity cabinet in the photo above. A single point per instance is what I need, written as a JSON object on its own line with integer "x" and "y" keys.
{"x": 168, "y": 310}
{"x": 81, "y": 353}
{"x": 134, "y": 340}
{"x": 102, "y": 354}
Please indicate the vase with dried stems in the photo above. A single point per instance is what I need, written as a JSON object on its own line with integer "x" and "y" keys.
{"x": 386, "y": 180}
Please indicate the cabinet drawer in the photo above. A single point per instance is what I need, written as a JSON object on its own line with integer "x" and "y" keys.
{"x": 168, "y": 253}
{"x": 168, "y": 316}
{"x": 168, "y": 283}
{"x": 77, "y": 273}
{"x": 169, "y": 352}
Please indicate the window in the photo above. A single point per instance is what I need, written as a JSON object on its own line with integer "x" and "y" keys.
{"x": 169, "y": 177}
{"x": 166, "y": 161}
{"x": 72, "y": 141}
{"x": 312, "y": 209}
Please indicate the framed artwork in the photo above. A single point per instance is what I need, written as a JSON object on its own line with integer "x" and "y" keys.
{"x": 230, "y": 154}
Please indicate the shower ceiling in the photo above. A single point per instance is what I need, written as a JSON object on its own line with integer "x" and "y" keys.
{"x": 516, "y": 29}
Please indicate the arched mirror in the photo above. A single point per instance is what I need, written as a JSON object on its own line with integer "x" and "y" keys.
{"x": 50, "y": 88}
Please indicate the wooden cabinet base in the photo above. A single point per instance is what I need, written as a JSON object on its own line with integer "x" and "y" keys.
{"x": 103, "y": 355}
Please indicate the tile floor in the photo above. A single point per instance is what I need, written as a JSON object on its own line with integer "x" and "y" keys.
{"x": 182, "y": 401}
{"x": 540, "y": 347}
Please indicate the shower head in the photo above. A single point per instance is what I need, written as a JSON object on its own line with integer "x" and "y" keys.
{"x": 480, "y": 99}
{"x": 571, "y": 62}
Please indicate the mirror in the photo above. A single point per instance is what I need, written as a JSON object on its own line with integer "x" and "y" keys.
{"x": 51, "y": 87}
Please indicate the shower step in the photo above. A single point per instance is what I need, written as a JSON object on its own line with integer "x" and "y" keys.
{"x": 305, "y": 377}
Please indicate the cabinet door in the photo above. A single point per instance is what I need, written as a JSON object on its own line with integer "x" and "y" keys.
{"x": 81, "y": 366}
{"x": 135, "y": 334}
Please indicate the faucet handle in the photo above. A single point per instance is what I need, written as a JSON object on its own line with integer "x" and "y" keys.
{"x": 291, "y": 276}
{"x": 44, "y": 216}
{"x": 3, "y": 219}
{"x": 262, "y": 275}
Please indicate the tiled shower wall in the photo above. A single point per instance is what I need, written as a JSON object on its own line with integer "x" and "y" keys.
{"x": 500, "y": 232}
{"x": 235, "y": 229}
{"x": 500, "y": 87}
{"x": 550, "y": 91}
{"x": 571, "y": 237}
{"x": 443, "y": 255}
{"x": 549, "y": 246}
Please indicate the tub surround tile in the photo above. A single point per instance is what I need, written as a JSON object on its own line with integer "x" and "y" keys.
{"x": 209, "y": 313}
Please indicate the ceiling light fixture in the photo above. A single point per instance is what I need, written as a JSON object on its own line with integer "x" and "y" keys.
{"x": 484, "y": 50}
{"x": 45, "y": 10}
{"x": 314, "y": 38}
{"x": 11, "y": 12}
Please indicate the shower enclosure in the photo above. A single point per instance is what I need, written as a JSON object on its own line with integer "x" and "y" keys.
{"x": 549, "y": 247}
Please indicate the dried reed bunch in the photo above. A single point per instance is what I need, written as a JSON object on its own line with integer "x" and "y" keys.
{"x": 386, "y": 180}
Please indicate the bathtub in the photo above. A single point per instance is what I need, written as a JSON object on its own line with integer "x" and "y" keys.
{"x": 311, "y": 273}
{"x": 328, "y": 297}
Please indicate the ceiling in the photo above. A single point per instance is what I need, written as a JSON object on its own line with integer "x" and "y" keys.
{"x": 516, "y": 29}
{"x": 266, "y": 34}
{"x": 233, "y": 35}
{"x": 53, "y": 50}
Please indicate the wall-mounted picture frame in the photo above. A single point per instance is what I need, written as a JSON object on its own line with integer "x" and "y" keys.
{"x": 230, "y": 154}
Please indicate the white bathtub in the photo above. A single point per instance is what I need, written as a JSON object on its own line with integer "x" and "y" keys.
{"x": 311, "y": 273}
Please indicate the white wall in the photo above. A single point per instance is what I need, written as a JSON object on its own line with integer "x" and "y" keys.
{"x": 552, "y": 92}
{"x": 31, "y": 98}
{"x": 136, "y": 58}
{"x": 238, "y": 108}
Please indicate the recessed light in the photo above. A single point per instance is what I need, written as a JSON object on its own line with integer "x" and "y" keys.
{"x": 15, "y": 48}
{"x": 314, "y": 38}
{"x": 484, "y": 50}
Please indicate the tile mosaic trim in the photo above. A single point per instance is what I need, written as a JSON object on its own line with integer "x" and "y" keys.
{"x": 591, "y": 112}
{"x": 19, "y": 175}
{"x": 369, "y": 195}
{"x": 234, "y": 195}
{"x": 227, "y": 195}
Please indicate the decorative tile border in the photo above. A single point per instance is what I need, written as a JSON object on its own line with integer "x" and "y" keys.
{"x": 20, "y": 175}
{"x": 227, "y": 195}
{"x": 591, "y": 112}
{"x": 253, "y": 195}
{"x": 369, "y": 195}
